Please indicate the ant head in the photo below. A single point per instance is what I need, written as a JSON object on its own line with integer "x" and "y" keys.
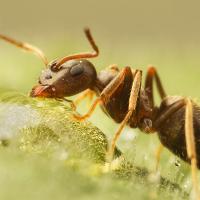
{"x": 71, "y": 78}
{"x": 69, "y": 75}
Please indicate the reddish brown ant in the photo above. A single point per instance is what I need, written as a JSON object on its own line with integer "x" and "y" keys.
{"x": 121, "y": 96}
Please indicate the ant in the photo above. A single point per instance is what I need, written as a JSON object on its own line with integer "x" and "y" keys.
{"x": 120, "y": 94}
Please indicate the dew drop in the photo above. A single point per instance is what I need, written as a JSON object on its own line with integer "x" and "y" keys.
{"x": 177, "y": 163}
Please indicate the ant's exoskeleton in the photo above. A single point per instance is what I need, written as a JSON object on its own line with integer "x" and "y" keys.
{"x": 119, "y": 92}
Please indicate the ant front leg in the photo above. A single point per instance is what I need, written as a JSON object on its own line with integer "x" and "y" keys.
{"x": 105, "y": 95}
{"x": 136, "y": 86}
{"x": 72, "y": 104}
{"x": 190, "y": 144}
{"x": 87, "y": 93}
{"x": 89, "y": 113}
{"x": 109, "y": 92}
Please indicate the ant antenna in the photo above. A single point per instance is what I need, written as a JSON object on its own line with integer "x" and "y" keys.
{"x": 82, "y": 55}
{"x": 26, "y": 47}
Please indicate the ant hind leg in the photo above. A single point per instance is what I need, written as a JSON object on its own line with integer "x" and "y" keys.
{"x": 158, "y": 152}
{"x": 190, "y": 144}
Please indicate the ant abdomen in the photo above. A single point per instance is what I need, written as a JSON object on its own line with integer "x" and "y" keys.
{"x": 171, "y": 129}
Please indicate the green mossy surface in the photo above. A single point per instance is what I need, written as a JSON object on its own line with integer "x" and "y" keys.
{"x": 46, "y": 154}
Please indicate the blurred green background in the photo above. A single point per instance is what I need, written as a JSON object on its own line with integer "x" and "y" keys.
{"x": 135, "y": 33}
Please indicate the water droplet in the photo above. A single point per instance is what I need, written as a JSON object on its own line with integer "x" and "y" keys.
{"x": 177, "y": 163}
{"x": 154, "y": 177}
{"x": 145, "y": 157}
{"x": 63, "y": 155}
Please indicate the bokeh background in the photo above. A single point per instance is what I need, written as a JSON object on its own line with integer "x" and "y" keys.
{"x": 135, "y": 33}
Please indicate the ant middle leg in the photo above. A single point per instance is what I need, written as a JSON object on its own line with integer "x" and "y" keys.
{"x": 151, "y": 75}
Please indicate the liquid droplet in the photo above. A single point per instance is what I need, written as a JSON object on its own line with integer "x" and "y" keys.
{"x": 177, "y": 163}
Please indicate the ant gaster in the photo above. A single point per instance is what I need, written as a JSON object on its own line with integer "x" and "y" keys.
{"x": 121, "y": 96}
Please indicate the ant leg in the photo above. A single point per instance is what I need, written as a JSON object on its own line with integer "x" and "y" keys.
{"x": 190, "y": 144}
{"x": 73, "y": 106}
{"x": 26, "y": 47}
{"x": 106, "y": 93}
{"x": 158, "y": 155}
{"x": 112, "y": 87}
{"x": 160, "y": 120}
{"x": 81, "y": 55}
{"x": 189, "y": 134}
{"x": 114, "y": 67}
{"x": 87, "y": 93}
{"x": 89, "y": 113}
{"x": 151, "y": 74}
{"x": 173, "y": 108}
{"x": 74, "y": 103}
{"x": 131, "y": 108}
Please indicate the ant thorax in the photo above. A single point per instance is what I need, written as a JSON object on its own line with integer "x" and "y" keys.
{"x": 104, "y": 77}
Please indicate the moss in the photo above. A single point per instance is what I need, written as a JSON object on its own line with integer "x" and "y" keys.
{"x": 46, "y": 145}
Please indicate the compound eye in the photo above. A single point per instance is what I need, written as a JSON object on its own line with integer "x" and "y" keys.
{"x": 76, "y": 70}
